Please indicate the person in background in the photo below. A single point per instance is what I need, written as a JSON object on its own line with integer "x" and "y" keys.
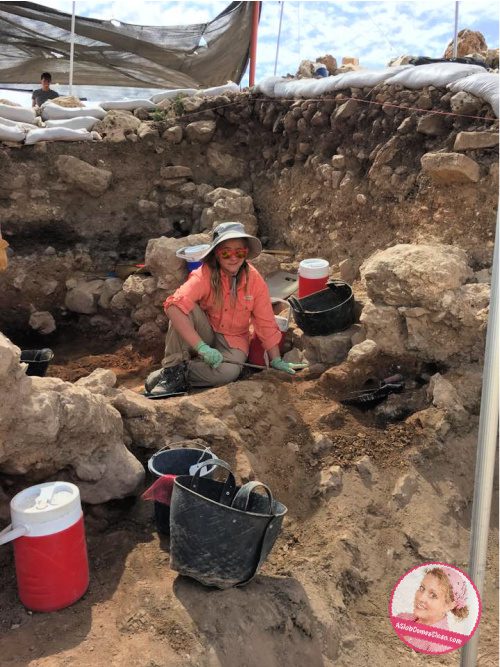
{"x": 210, "y": 317}
{"x": 41, "y": 95}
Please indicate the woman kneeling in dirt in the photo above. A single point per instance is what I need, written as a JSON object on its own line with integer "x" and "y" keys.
{"x": 211, "y": 313}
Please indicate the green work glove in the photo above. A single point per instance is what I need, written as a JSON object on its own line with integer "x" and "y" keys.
{"x": 210, "y": 356}
{"x": 280, "y": 364}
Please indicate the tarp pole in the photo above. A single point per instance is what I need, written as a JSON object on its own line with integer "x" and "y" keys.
{"x": 455, "y": 32}
{"x": 253, "y": 42}
{"x": 485, "y": 457}
{"x": 72, "y": 48}
{"x": 279, "y": 36}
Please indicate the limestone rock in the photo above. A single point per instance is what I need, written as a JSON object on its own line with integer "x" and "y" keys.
{"x": 329, "y": 62}
{"x": 201, "y": 131}
{"x": 346, "y": 110}
{"x": 466, "y": 141}
{"x": 465, "y": 103}
{"x": 330, "y": 480}
{"x": 149, "y": 210}
{"x": 84, "y": 297}
{"x": 404, "y": 489}
{"x": 414, "y": 275}
{"x": 366, "y": 469}
{"x": 224, "y": 164}
{"x": 362, "y": 353}
{"x": 449, "y": 168}
{"x": 445, "y": 397}
{"x": 177, "y": 171}
{"x": 99, "y": 381}
{"x": 110, "y": 287}
{"x": 50, "y": 428}
{"x": 147, "y": 130}
{"x": 222, "y": 193}
{"x": 348, "y": 271}
{"x": 321, "y": 443}
{"x": 42, "y": 321}
{"x": 173, "y": 134}
{"x": 117, "y": 125}
{"x": 385, "y": 326}
{"x": 162, "y": 261}
{"x": 468, "y": 41}
{"x": 136, "y": 286}
{"x": 330, "y": 349}
{"x": 433, "y": 125}
{"x": 92, "y": 180}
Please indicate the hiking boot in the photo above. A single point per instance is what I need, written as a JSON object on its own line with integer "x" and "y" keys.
{"x": 166, "y": 382}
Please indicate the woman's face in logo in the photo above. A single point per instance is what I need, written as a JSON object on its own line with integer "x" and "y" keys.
{"x": 431, "y": 603}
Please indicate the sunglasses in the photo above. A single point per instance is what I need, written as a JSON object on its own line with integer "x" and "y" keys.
{"x": 226, "y": 253}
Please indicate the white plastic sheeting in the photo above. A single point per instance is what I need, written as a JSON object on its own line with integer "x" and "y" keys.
{"x": 81, "y": 123}
{"x": 58, "y": 134}
{"x": 434, "y": 74}
{"x": 11, "y": 132}
{"x": 22, "y": 114}
{"x": 56, "y": 112}
{"x": 485, "y": 86}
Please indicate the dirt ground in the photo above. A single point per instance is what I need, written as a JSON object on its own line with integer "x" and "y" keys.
{"x": 321, "y": 598}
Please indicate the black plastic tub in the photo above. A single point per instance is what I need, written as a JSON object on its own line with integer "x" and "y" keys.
{"x": 325, "y": 312}
{"x": 175, "y": 462}
{"x": 38, "y": 360}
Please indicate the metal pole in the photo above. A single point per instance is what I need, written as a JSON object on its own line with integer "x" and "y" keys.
{"x": 72, "y": 49}
{"x": 455, "y": 32}
{"x": 485, "y": 457}
{"x": 253, "y": 43}
{"x": 278, "y": 42}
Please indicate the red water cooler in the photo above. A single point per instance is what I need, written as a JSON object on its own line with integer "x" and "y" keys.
{"x": 50, "y": 550}
{"x": 313, "y": 276}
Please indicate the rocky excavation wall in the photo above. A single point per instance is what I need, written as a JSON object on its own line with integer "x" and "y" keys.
{"x": 401, "y": 202}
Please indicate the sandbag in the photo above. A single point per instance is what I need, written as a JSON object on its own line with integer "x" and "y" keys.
{"x": 9, "y": 133}
{"x": 22, "y": 114}
{"x": 19, "y": 124}
{"x": 127, "y": 105}
{"x": 229, "y": 87}
{"x": 81, "y": 123}
{"x": 171, "y": 94}
{"x": 367, "y": 78}
{"x": 220, "y": 534}
{"x": 54, "y": 112}
{"x": 436, "y": 74}
{"x": 485, "y": 86}
{"x": 57, "y": 134}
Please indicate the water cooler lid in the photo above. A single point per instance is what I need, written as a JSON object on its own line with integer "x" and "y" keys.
{"x": 314, "y": 268}
{"x": 46, "y": 503}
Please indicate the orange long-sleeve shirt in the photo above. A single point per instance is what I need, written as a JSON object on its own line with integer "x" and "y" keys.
{"x": 232, "y": 318}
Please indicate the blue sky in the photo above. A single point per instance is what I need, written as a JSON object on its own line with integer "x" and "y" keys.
{"x": 373, "y": 31}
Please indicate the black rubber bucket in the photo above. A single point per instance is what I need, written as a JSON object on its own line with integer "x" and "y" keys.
{"x": 325, "y": 312}
{"x": 38, "y": 361}
{"x": 176, "y": 461}
{"x": 220, "y": 534}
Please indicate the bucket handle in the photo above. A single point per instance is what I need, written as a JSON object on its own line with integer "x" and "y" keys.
{"x": 287, "y": 304}
{"x": 295, "y": 304}
{"x": 241, "y": 499}
{"x": 8, "y": 534}
{"x": 227, "y": 493}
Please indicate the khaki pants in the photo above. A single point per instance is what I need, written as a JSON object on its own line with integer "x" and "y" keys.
{"x": 200, "y": 373}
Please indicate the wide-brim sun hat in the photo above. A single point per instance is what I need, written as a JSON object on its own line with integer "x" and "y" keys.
{"x": 233, "y": 230}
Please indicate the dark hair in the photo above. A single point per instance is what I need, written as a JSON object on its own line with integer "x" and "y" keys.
{"x": 46, "y": 75}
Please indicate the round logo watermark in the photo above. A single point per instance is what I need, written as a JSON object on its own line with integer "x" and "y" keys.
{"x": 435, "y": 608}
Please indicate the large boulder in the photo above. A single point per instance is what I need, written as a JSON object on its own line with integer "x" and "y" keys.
{"x": 163, "y": 263}
{"x": 414, "y": 275}
{"x": 447, "y": 168}
{"x": 116, "y": 125}
{"x": 419, "y": 302}
{"x": 51, "y": 428}
{"x": 92, "y": 180}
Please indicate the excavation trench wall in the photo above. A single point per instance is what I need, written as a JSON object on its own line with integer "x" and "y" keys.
{"x": 340, "y": 178}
